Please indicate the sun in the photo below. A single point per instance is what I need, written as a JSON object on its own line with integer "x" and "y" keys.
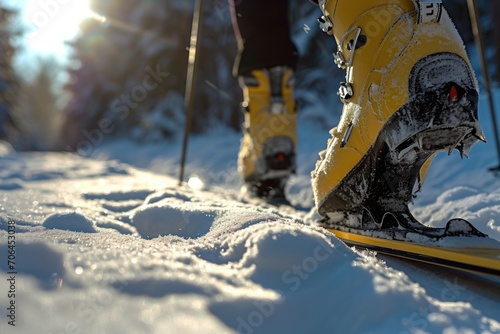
{"x": 52, "y": 22}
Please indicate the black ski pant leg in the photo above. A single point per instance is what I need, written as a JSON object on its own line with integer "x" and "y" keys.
{"x": 263, "y": 33}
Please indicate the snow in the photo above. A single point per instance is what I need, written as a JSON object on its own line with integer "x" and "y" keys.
{"x": 70, "y": 221}
{"x": 111, "y": 244}
{"x": 5, "y": 148}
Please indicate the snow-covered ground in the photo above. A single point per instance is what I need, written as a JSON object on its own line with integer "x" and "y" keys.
{"x": 111, "y": 244}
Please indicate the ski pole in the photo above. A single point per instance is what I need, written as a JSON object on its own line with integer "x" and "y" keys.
{"x": 190, "y": 82}
{"x": 476, "y": 29}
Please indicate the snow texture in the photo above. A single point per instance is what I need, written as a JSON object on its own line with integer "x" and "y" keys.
{"x": 106, "y": 247}
{"x": 5, "y": 148}
{"x": 69, "y": 221}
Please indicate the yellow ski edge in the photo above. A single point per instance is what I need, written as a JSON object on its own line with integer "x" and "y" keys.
{"x": 486, "y": 261}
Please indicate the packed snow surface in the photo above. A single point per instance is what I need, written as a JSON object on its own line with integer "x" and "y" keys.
{"x": 105, "y": 247}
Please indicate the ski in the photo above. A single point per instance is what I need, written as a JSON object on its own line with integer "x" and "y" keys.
{"x": 474, "y": 259}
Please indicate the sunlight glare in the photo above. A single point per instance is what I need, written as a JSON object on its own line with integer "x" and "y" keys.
{"x": 53, "y": 22}
{"x": 196, "y": 183}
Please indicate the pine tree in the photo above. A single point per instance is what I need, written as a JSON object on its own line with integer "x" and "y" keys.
{"x": 129, "y": 73}
{"x": 41, "y": 113}
{"x": 8, "y": 79}
{"x": 219, "y": 91}
{"x": 495, "y": 12}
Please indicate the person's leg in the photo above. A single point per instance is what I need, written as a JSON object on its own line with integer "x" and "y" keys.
{"x": 263, "y": 34}
{"x": 265, "y": 66}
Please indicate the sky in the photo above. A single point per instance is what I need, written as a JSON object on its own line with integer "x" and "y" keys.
{"x": 48, "y": 25}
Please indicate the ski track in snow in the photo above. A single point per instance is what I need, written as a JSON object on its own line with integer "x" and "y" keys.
{"x": 104, "y": 247}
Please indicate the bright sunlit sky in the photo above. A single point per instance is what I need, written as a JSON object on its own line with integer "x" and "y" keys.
{"x": 48, "y": 24}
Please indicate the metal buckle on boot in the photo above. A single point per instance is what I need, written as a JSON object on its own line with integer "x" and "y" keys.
{"x": 276, "y": 75}
{"x": 326, "y": 25}
{"x": 345, "y": 91}
{"x": 277, "y": 106}
{"x": 339, "y": 60}
{"x": 338, "y": 57}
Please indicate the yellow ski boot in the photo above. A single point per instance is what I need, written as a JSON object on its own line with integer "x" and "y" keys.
{"x": 267, "y": 154}
{"x": 409, "y": 92}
